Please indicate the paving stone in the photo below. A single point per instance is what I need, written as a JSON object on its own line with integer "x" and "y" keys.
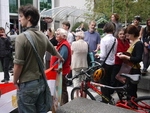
{"x": 82, "y": 105}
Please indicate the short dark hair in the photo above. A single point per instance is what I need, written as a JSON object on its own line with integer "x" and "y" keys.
{"x": 30, "y": 10}
{"x": 109, "y": 27}
{"x": 138, "y": 18}
{"x": 67, "y": 23}
{"x": 131, "y": 29}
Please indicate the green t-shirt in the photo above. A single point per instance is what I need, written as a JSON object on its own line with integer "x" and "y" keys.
{"x": 24, "y": 53}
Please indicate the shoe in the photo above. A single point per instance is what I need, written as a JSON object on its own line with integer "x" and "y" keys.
{"x": 144, "y": 72}
{"x": 6, "y": 81}
{"x": 3, "y": 80}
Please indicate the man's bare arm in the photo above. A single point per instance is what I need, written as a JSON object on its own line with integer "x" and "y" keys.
{"x": 17, "y": 72}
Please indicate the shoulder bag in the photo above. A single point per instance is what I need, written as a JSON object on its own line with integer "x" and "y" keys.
{"x": 48, "y": 97}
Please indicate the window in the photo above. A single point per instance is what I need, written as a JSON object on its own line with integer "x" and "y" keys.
{"x": 13, "y": 6}
{"x": 24, "y": 2}
{"x": 45, "y": 4}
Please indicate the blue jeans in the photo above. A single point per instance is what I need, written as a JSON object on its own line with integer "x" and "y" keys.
{"x": 31, "y": 98}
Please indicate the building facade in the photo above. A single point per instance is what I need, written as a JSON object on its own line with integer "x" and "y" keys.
{"x": 9, "y": 8}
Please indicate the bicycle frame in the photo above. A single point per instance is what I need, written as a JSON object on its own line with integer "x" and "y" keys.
{"x": 120, "y": 103}
{"x": 121, "y": 91}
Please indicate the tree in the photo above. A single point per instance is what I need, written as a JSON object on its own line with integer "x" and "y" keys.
{"x": 127, "y": 9}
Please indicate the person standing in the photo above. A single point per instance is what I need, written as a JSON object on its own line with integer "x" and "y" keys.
{"x": 146, "y": 42}
{"x": 92, "y": 38}
{"x": 105, "y": 46}
{"x": 66, "y": 26}
{"x": 28, "y": 78}
{"x": 136, "y": 23}
{"x": 115, "y": 19}
{"x": 52, "y": 39}
{"x": 123, "y": 45}
{"x": 79, "y": 50}
{"x": 5, "y": 54}
{"x": 136, "y": 51}
{"x": 64, "y": 49}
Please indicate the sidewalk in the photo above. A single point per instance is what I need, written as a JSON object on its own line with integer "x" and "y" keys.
{"x": 140, "y": 92}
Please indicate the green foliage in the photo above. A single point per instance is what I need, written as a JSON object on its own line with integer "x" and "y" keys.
{"x": 100, "y": 31}
{"x": 126, "y": 9}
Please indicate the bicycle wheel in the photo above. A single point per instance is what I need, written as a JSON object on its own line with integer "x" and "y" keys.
{"x": 76, "y": 92}
{"x": 143, "y": 102}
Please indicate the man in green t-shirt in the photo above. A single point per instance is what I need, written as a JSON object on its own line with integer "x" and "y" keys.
{"x": 27, "y": 76}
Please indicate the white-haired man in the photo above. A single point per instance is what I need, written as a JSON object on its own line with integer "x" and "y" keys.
{"x": 79, "y": 50}
{"x": 64, "y": 49}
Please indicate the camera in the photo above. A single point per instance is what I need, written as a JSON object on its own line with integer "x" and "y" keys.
{"x": 1, "y": 34}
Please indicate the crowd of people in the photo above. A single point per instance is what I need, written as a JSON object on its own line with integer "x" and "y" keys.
{"x": 72, "y": 50}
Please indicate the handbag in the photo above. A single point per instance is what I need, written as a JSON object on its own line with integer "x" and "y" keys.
{"x": 125, "y": 68}
{"x": 48, "y": 97}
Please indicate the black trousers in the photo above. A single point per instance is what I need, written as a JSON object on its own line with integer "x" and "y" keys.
{"x": 5, "y": 66}
{"x": 106, "y": 80}
{"x": 146, "y": 58}
{"x": 132, "y": 89}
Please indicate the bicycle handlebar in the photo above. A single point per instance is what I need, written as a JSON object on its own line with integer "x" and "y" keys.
{"x": 85, "y": 71}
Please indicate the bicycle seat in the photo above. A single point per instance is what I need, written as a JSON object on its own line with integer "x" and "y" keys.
{"x": 134, "y": 78}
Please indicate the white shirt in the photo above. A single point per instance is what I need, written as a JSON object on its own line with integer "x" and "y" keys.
{"x": 105, "y": 46}
{"x": 70, "y": 38}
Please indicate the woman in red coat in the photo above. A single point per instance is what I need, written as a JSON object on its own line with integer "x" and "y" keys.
{"x": 64, "y": 49}
{"x": 123, "y": 45}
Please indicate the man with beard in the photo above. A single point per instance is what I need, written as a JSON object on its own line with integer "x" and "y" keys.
{"x": 92, "y": 38}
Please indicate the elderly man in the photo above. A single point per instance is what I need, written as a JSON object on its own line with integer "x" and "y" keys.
{"x": 79, "y": 49}
{"x": 92, "y": 38}
{"x": 63, "y": 48}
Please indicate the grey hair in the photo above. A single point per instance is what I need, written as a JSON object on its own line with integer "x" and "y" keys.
{"x": 62, "y": 32}
{"x": 80, "y": 34}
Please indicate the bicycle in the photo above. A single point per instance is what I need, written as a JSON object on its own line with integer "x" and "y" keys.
{"x": 139, "y": 104}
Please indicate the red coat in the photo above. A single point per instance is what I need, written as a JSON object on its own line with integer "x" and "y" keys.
{"x": 121, "y": 47}
{"x": 66, "y": 64}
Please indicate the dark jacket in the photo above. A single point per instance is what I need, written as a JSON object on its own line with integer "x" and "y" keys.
{"x": 5, "y": 46}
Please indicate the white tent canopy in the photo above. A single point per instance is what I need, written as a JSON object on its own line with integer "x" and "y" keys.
{"x": 59, "y": 13}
